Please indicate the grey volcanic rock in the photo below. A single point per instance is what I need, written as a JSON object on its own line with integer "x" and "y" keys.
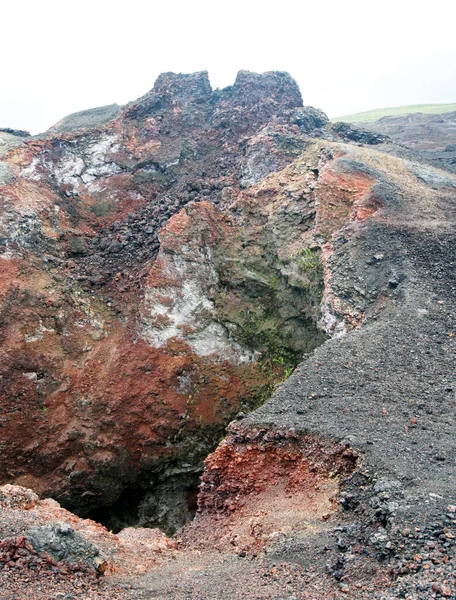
{"x": 418, "y": 130}
{"x": 309, "y": 118}
{"x": 61, "y": 542}
{"x": 190, "y": 86}
{"x": 419, "y": 137}
{"x": 387, "y": 389}
{"x": 85, "y": 119}
{"x": 6, "y": 175}
{"x": 171, "y": 89}
{"x": 350, "y": 133}
{"x": 16, "y": 132}
{"x": 254, "y": 88}
{"x": 9, "y": 141}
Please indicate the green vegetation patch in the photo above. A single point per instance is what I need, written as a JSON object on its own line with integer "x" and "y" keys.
{"x": 268, "y": 310}
{"x": 307, "y": 261}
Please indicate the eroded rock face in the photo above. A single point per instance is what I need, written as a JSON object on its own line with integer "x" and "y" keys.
{"x": 119, "y": 365}
{"x": 263, "y": 483}
{"x": 165, "y": 265}
{"x": 46, "y": 551}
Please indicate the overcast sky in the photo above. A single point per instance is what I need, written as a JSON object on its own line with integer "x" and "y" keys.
{"x": 58, "y": 57}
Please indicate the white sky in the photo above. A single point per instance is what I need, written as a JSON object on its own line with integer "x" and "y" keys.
{"x": 58, "y": 57}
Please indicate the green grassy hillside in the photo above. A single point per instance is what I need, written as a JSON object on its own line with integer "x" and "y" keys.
{"x": 373, "y": 115}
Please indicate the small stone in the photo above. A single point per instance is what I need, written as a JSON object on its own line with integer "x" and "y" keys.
{"x": 435, "y": 496}
{"x": 341, "y": 545}
{"x": 115, "y": 247}
{"x": 405, "y": 532}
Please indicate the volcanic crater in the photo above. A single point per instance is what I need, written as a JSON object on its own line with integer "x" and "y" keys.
{"x": 217, "y": 302}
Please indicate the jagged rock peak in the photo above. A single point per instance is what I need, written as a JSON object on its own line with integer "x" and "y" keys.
{"x": 277, "y": 85}
{"x": 275, "y": 88}
{"x": 172, "y": 89}
{"x": 248, "y": 87}
{"x": 195, "y": 86}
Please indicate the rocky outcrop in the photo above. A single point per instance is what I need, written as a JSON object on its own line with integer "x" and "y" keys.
{"x": 166, "y": 265}
{"x": 86, "y": 119}
{"x": 46, "y": 551}
{"x": 126, "y": 362}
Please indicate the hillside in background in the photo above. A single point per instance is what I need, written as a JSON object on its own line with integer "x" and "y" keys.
{"x": 434, "y": 135}
{"x": 377, "y": 113}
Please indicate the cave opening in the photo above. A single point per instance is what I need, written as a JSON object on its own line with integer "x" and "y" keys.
{"x": 283, "y": 329}
{"x": 168, "y": 506}
{"x": 167, "y": 498}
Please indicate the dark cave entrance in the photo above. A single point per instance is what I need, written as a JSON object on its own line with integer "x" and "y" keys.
{"x": 167, "y": 506}
{"x": 165, "y": 496}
